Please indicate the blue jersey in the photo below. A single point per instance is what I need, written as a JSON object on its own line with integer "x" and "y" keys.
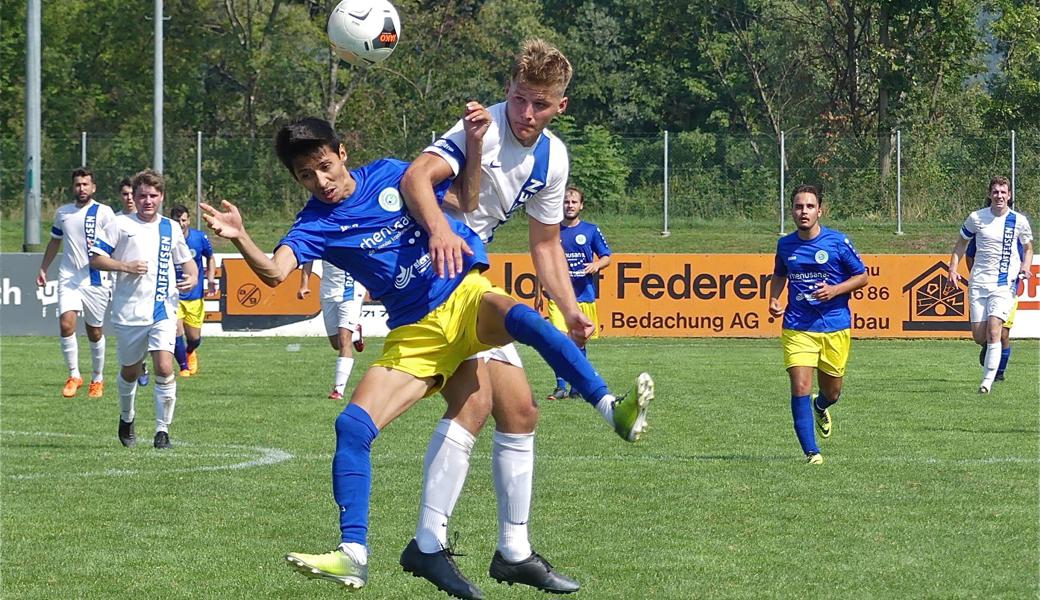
{"x": 199, "y": 246}
{"x": 581, "y": 243}
{"x": 372, "y": 236}
{"x": 828, "y": 258}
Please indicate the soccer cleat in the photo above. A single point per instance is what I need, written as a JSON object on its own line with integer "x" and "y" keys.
{"x": 814, "y": 458}
{"x": 439, "y": 568}
{"x": 142, "y": 379}
{"x": 72, "y": 385}
{"x": 96, "y": 389}
{"x": 573, "y": 394}
{"x": 193, "y": 362}
{"x": 983, "y": 389}
{"x": 1000, "y": 376}
{"x": 184, "y": 373}
{"x": 359, "y": 343}
{"x": 630, "y": 409}
{"x": 336, "y": 566}
{"x": 162, "y": 441}
{"x": 822, "y": 419}
{"x": 335, "y": 395}
{"x": 557, "y": 394}
{"x": 534, "y": 571}
{"x": 126, "y": 434}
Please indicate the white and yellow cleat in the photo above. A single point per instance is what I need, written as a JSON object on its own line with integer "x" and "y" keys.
{"x": 630, "y": 409}
{"x": 814, "y": 458}
{"x": 336, "y": 566}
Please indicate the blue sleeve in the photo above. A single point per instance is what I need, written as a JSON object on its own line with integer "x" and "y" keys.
{"x": 305, "y": 239}
{"x": 779, "y": 267}
{"x": 599, "y": 244}
{"x": 207, "y": 247}
{"x": 850, "y": 258}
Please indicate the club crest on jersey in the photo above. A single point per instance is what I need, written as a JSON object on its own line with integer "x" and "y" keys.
{"x": 821, "y": 257}
{"x": 580, "y": 239}
{"x": 390, "y": 199}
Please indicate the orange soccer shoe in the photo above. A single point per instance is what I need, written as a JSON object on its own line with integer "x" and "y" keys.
{"x": 72, "y": 385}
{"x": 96, "y": 389}
{"x": 193, "y": 362}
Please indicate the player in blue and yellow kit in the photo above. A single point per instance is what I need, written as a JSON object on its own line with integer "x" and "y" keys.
{"x": 821, "y": 269}
{"x": 587, "y": 253}
{"x": 357, "y": 220}
{"x": 190, "y": 311}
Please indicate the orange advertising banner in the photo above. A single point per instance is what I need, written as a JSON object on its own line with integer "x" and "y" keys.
{"x": 726, "y": 295}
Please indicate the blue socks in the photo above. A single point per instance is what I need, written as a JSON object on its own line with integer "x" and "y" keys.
{"x": 561, "y": 383}
{"x": 180, "y": 352}
{"x": 1005, "y": 356}
{"x": 822, "y": 403}
{"x": 801, "y": 410}
{"x": 352, "y": 472}
{"x": 529, "y": 328}
{"x": 193, "y": 344}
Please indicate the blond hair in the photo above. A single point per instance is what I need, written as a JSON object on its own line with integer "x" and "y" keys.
{"x": 542, "y": 64}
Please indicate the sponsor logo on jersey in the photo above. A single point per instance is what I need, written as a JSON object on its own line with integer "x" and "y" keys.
{"x": 388, "y": 234}
{"x": 406, "y": 274}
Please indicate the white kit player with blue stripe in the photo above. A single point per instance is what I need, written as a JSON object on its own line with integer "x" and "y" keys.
{"x": 145, "y": 250}
{"x": 1003, "y": 253}
{"x": 341, "y": 300}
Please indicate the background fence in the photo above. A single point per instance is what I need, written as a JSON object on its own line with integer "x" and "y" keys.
{"x": 921, "y": 178}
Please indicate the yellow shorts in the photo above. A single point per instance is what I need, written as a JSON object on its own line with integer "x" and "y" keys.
{"x": 588, "y": 308}
{"x": 827, "y": 352}
{"x": 1011, "y": 315}
{"x": 191, "y": 312}
{"x": 436, "y": 345}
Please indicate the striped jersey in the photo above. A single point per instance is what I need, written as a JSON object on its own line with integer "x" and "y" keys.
{"x": 997, "y": 241}
{"x": 79, "y": 226}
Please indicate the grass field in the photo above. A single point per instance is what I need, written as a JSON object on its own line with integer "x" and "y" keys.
{"x": 928, "y": 489}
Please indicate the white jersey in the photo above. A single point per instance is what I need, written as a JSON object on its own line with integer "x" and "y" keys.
{"x": 78, "y": 226}
{"x": 998, "y": 245}
{"x": 152, "y": 297}
{"x": 512, "y": 175}
{"x": 337, "y": 284}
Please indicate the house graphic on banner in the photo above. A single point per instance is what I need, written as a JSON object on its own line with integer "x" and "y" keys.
{"x": 934, "y": 303}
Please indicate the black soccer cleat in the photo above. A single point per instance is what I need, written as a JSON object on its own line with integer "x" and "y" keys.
{"x": 534, "y": 571}
{"x": 999, "y": 377}
{"x": 162, "y": 441}
{"x": 439, "y": 568}
{"x": 126, "y": 433}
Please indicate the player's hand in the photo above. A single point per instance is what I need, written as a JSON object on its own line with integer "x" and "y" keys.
{"x": 1024, "y": 275}
{"x": 446, "y": 252}
{"x": 476, "y": 121}
{"x": 138, "y": 267}
{"x": 776, "y": 310}
{"x": 590, "y": 269}
{"x": 824, "y": 292}
{"x": 41, "y": 278}
{"x": 184, "y": 284}
{"x": 227, "y": 224}
{"x": 211, "y": 286}
{"x": 303, "y": 293}
{"x": 955, "y": 279}
{"x": 539, "y": 301}
{"x": 579, "y": 328}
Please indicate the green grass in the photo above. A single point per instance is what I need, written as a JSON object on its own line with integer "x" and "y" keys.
{"x": 927, "y": 490}
{"x": 632, "y": 235}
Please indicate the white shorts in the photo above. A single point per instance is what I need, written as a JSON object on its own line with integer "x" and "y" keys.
{"x": 91, "y": 300}
{"x": 341, "y": 315}
{"x": 986, "y": 303}
{"x": 506, "y": 354}
{"x": 133, "y": 342}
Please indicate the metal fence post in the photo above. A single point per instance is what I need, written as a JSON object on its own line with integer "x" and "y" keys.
{"x": 1013, "y": 165}
{"x": 899, "y": 182}
{"x": 83, "y": 148}
{"x": 198, "y": 180}
{"x": 782, "y": 165}
{"x": 666, "y": 233}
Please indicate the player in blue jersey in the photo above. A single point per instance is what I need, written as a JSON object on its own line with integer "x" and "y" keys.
{"x": 587, "y": 254}
{"x": 357, "y": 220}
{"x": 190, "y": 310}
{"x": 821, "y": 269}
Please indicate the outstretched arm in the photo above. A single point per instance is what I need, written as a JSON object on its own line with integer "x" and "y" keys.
{"x": 551, "y": 267}
{"x": 228, "y": 225}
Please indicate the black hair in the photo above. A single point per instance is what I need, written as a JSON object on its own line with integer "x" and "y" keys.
{"x": 177, "y": 211}
{"x": 304, "y": 137}
{"x": 808, "y": 189}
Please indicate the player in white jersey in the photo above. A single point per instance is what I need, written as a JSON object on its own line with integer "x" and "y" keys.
{"x": 126, "y": 197}
{"x": 521, "y": 165}
{"x": 1003, "y": 254}
{"x": 341, "y": 300}
{"x": 145, "y": 249}
{"x": 80, "y": 288}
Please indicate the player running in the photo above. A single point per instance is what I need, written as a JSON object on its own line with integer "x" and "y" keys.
{"x": 357, "y": 220}
{"x": 190, "y": 310}
{"x": 81, "y": 288}
{"x": 341, "y": 302}
{"x": 145, "y": 249}
{"x": 821, "y": 269}
{"x": 521, "y": 165}
{"x": 998, "y": 232}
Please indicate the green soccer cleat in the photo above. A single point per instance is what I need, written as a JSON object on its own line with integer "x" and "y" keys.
{"x": 630, "y": 409}
{"x": 822, "y": 419}
{"x": 336, "y": 566}
{"x": 814, "y": 458}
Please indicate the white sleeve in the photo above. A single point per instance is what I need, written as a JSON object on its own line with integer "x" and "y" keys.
{"x": 969, "y": 229}
{"x": 1025, "y": 234}
{"x": 451, "y": 147}
{"x": 105, "y": 239}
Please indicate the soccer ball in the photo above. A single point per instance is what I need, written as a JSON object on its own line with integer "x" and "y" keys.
{"x": 364, "y": 32}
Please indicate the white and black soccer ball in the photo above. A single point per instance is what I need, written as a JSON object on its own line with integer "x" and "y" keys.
{"x": 364, "y": 32}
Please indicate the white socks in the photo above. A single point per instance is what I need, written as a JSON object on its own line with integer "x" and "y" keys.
{"x": 512, "y": 467}
{"x": 97, "y": 359}
{"x": 343, "y": 367}
{"x": 127, "y": 393}
{"x": 605, "y": 406}
{"x": 356, "y": 551}
{"x": 992, "y": 361}
{"x": 70, "y": 349}
{"x": 165, "y": 399}
{"x": 444, "y": 472}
